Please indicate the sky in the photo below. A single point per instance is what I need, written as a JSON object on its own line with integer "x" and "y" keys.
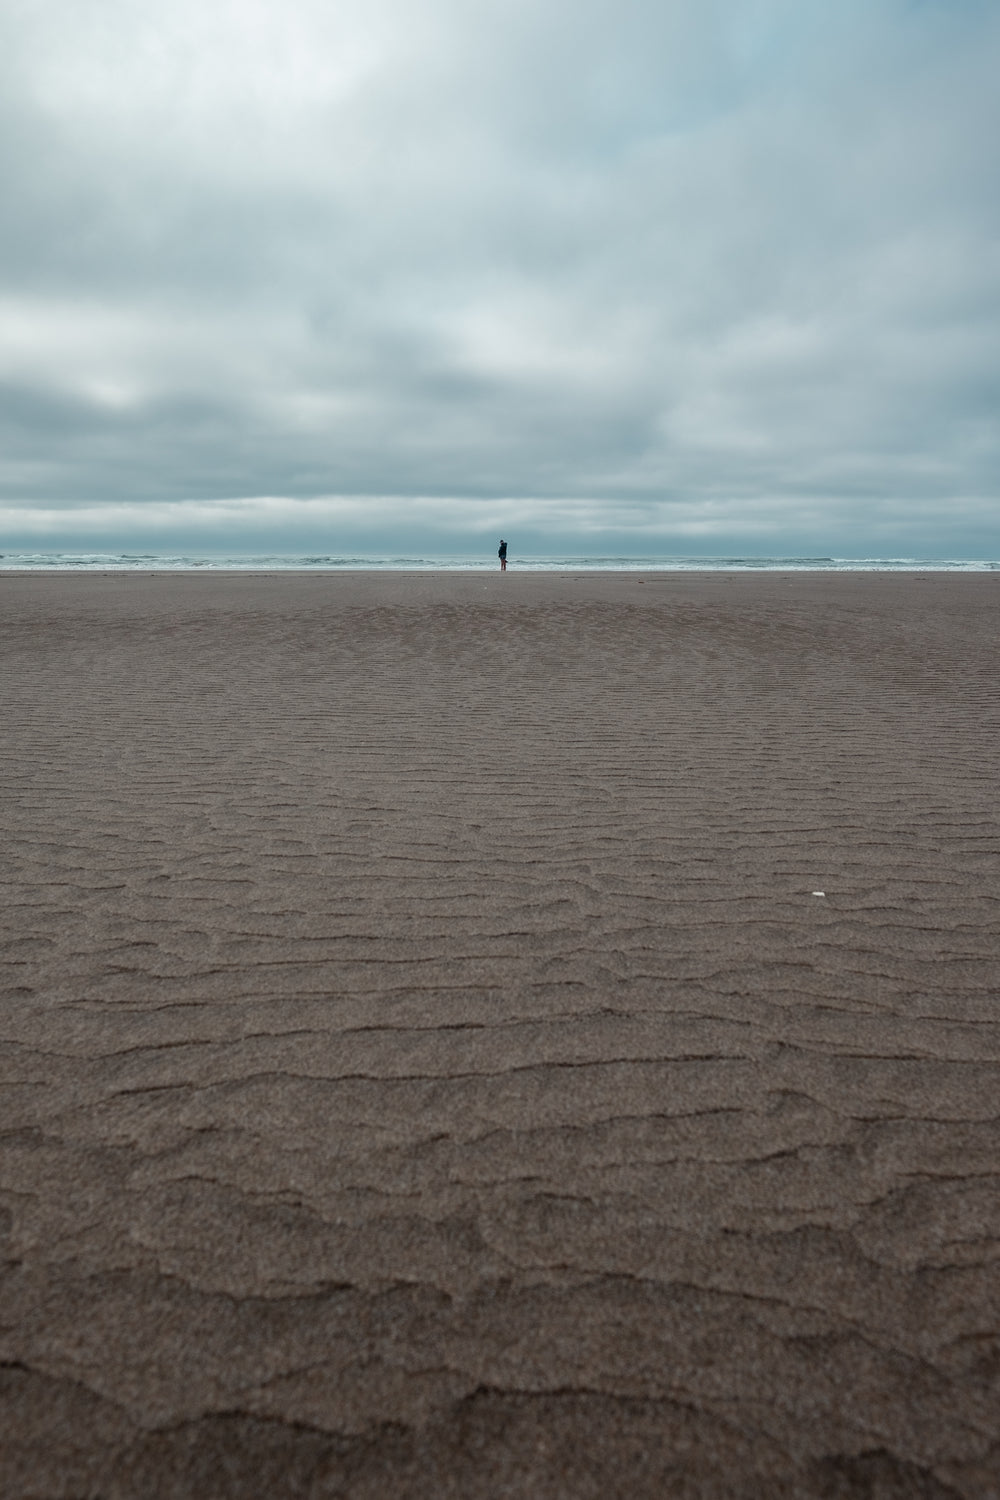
{"x": 647, "y": 276}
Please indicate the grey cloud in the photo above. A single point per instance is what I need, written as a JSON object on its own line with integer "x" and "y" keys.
{"x": 670, "y": 270}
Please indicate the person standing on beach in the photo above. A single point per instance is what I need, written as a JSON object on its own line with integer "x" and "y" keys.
{"x": 502, "y": 554}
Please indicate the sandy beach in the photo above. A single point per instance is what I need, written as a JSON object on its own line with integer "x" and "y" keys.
{"x": 467, "y": 1035}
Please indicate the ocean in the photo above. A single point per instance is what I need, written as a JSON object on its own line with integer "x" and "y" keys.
{"x": 155, "y": 562}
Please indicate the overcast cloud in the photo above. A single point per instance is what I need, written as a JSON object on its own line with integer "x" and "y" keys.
{"x": 401, "y": 273}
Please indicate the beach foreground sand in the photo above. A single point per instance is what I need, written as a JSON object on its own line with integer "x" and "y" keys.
{"x": 429, "y": 1066}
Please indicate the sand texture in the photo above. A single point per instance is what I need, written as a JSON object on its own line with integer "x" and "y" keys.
{"x": 428, "y": 1072}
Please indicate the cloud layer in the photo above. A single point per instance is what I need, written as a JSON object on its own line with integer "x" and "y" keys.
{"x": 689, "y": 275}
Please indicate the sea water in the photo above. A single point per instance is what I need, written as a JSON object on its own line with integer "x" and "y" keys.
{"x": 150, "y": 562}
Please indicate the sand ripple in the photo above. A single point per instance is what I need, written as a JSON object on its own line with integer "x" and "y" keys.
{"x": 426, "y": 1066}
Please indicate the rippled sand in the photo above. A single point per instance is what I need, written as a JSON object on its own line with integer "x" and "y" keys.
{"x": 429, "y": 1067}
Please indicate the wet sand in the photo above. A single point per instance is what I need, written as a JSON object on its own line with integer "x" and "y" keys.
{"x": 429, "y": 1068}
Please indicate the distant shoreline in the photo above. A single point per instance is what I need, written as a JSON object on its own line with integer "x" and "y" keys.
{"x": 25, "y": 562}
